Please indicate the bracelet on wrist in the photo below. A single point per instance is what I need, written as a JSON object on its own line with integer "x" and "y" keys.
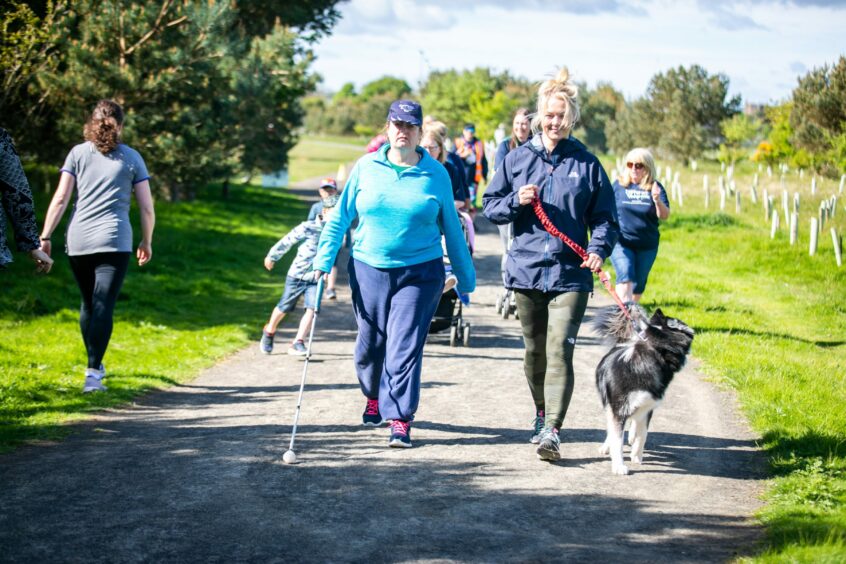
{"x": 44, "y": 238}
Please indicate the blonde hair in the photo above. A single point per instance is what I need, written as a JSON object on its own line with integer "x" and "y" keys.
{"x": 643, "y": 156}
{"x": 562, "y": 88}
{"x": 513, "y": 142}
{"x": 431, "y": 130}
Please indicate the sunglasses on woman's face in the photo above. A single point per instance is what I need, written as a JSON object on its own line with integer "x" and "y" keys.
{"x": 636, "y": 166}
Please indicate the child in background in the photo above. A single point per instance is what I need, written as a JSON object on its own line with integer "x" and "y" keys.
{"x": 300, "y": 279}
{"x": 328, "y": 189}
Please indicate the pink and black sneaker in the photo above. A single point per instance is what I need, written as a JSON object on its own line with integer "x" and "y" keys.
{"x": 371, "y": 416}
{"x": 400, "y": 434}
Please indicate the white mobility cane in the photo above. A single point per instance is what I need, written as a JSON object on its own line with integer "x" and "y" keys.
{"x": 290, "y": 456}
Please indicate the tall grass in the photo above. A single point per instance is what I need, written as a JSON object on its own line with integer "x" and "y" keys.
{"x": 204, "y": 295}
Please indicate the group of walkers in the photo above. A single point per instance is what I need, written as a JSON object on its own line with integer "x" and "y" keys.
{"x": 409, "y": 198}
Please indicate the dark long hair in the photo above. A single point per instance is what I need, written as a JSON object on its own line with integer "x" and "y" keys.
{"x": 103, "y": 127}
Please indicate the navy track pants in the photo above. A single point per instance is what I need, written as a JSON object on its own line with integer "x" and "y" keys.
{"x": 393, "y": 308}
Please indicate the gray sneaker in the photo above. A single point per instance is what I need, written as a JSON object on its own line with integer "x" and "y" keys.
{"x": 537, "y": 427}
{"x": 548, "y": 445}
{"x": 330, "y": 294}
{"x": 93, "y": 383}
{"x": 298, "y": 349}
{"x": 266, "y": 344}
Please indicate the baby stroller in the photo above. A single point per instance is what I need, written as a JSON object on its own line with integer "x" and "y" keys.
{"x": 506, "y": 303}
{"x": 449, "y": 313}
{"x": 449, "y": 316}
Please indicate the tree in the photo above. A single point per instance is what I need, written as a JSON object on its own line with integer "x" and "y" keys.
{"x": 690, "y": 104}
{"x": 477, "y": 96}
{"x": 27, "y": 50}
{"x": 389, "y": 86}
{"x": 680, "y": 115}
{"x": 740, "y": 133}
{"x": 207, "y": 86}
{"x": 819, "y": 116}
{"x": 598, "y": 107}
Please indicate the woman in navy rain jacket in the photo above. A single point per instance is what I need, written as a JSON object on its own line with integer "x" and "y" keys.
{"x": 552, "y": 283}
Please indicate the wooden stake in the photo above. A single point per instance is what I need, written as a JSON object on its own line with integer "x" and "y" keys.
{"x": 838, "y": 253}
{"x": 794, "y": 228}
{"x": 774, "y": 226}
{"x": 722, "y": 199}
{"x": 754, "y": 194}
{"x": 815, "y": 231}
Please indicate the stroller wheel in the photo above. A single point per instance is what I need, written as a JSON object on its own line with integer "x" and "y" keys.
{"x": 466, "y": 336}
{"x": 505, "y": 311}
{"x": 453, "y": 335}
{"x": 500, "y": 302}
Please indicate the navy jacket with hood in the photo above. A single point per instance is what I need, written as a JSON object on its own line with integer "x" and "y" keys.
{"x": 576, "y": 195}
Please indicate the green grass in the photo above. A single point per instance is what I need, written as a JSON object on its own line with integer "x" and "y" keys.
{"x": 770, "y": 323}
{"x": 204, "y": 295}
{"x": 317, "y": 156}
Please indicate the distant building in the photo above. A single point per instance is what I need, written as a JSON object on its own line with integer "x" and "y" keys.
{"x": 753, "y": 110}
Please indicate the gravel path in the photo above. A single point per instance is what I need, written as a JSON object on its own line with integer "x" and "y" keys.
{"x": 194, "y": 473}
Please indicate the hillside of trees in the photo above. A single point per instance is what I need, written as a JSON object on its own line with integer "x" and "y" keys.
{"x": 685, "y": 114}
{"x": 212, "y": 89}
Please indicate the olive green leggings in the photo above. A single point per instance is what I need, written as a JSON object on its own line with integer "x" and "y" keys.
{"x": 550, "y": 325}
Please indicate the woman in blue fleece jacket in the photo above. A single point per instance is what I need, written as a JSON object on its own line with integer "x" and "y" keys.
{"x": 403, "y": 200}
{"x": 551, "y": 282}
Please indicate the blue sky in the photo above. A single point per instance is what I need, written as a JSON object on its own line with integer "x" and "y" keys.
{"x": 761, "y": 45}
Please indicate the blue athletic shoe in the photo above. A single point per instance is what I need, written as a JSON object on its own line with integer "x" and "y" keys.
{"x": 371, "y": 416}
{"x": 400, "y": 434}
{"x": 298, "y": 348}
{"x": 266, "y": 344}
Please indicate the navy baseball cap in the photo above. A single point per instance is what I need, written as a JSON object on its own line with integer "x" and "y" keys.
{"x": 408, "y": 111}
{"x": 469, "y": 127}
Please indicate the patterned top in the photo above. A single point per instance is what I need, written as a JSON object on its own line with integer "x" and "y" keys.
{"x": 17, "y": 202}
{"x": 303, "y": 266}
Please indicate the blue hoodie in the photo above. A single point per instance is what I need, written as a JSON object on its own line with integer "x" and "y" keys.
{"x": 401, "y": 216}
{"x": 576, "y": 195}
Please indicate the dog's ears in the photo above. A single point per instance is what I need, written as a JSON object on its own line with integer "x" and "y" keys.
{"x": 657, "y": 317}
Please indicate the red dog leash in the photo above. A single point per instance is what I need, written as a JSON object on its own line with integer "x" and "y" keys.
{"x": 603, "y": 276}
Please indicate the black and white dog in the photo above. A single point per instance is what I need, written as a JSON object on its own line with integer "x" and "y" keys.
{"x": 634, "y": 375}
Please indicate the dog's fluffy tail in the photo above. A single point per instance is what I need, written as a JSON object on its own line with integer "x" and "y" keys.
{"x": 613, "y": 325}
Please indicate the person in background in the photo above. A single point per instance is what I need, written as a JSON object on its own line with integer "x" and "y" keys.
{"x": 471, "y": 150}
{"x": 433, "y": 143}
{"x": 328, "y": 189}
{"x": 520, "y": 130}
{"x": 404, "y": 203}
{"x": 641, "y": 202}
{"x": 300, "y": 280}
{"x": 105, "y": 174}
{"x": 18, "y": 205}
{"x": 551, "y": 282}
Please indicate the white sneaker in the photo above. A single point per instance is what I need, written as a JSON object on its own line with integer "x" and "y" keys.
{"x": 93, "y": 382}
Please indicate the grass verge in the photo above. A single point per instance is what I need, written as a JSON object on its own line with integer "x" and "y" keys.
{"x": 770, "y": 323}
{"x": 203, "y": 296}
{"x": 316, "y": 156}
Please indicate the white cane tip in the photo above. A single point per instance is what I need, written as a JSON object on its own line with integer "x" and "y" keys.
{"x": 289, "y": 457}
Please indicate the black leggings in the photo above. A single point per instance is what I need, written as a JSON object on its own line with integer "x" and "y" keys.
{"x": 99, "y": 277}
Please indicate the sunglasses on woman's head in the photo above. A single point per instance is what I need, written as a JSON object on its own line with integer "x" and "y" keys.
{"x": 636, "y": 166}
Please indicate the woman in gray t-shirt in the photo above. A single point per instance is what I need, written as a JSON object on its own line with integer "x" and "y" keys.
{"x": 105, "y": 173}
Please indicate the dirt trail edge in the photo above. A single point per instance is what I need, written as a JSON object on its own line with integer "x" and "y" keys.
{"x": 195, "y": 473}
